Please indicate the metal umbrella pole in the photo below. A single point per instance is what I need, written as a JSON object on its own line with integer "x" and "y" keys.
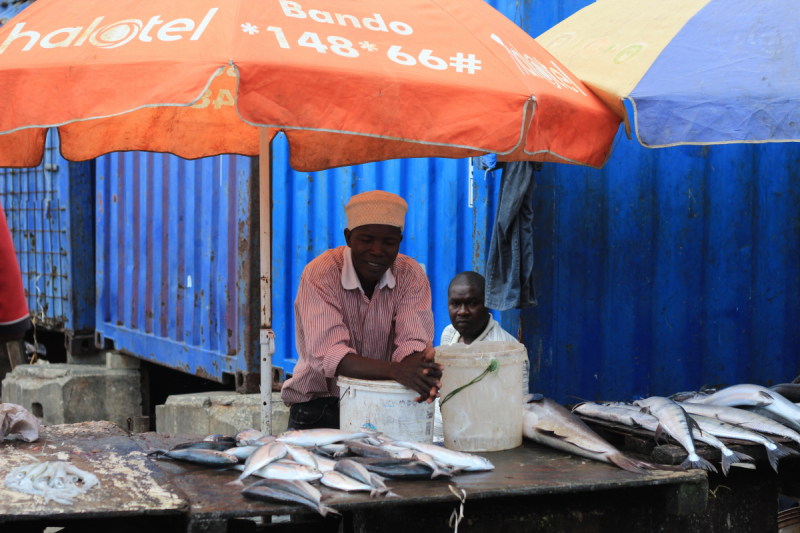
{"x": 267, "y": 336}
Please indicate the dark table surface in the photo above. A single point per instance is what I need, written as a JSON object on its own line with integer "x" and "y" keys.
{"x": 529, "y": 470}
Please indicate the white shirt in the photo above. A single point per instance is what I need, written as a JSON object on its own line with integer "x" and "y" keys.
{"x": 493, "y": 332}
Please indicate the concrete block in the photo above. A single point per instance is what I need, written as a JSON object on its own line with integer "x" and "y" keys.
{"x": 94, "y": 358}
{"x": 222, "y": 412}
{"x": 66, "y": 394}
{"x": 120, "y": 360}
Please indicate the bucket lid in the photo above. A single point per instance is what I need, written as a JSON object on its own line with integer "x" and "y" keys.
{"x": 387, "y": 385}
{"x": 480, "y": 353}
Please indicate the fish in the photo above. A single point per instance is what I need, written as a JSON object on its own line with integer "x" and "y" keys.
{"x": 775, "y": 451}
{"x": 324, "y": 464}
{"x": 302, "y": 456}
{"x": 248, "y": 437}
{"x": 466, "y": 461}
{"x": 288, "y": 491}
{"x": 632, "y": 416}
{"x": 367, "y": 450}
{"x": 790, "y": 391}
{"x": 772, "y": 416}
{"x": 428, "y": 460}
{"x": 319, "y": 437}
{"x": 405, "y": 470}
{"x": 241, "y": 452}
{"x": 220, "y": 438}
{"x": 286, "y": 471}
{"x": 339, "y": 481}
{"x": 674, "y": 420}
{"x": 333, "y": 449}
{"x": 753, "y": 395}
{"x": 200, "y": 457}
{"x": 548, "y": 423}
{"x": 266, "y": 439}
{"x": 203, "y": 445}
{"x": 264, "y": 455}
{"x": 397, "y": 451}
{"x": 358, "y": 472}
{"x": 742, "y": 418}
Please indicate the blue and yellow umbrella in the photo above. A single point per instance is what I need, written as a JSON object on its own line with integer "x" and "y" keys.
{"x": 695, "y": 71}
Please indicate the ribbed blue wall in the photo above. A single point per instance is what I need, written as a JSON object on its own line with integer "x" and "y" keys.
{"x": 176, "y": 282}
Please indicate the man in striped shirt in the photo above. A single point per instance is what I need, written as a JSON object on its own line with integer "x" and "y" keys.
{"x": 362, "y": 311}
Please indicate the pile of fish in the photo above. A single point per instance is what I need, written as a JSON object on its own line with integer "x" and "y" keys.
{"x": 747, "y": 413}
{"x": 341, "y": 460}
{"x": 57, "y": 481}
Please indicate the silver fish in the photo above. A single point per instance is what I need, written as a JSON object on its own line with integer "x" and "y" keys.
{"x": 285, "y": 471}
{"x": 200, "y": 457}
{"x": 775, "y": 451}
{"x": 428, "y": 460}
{"x": 359, "y": 473}
{"x": 248, "y": 437}
{"x": 339, "y": 481}
{"x": 241, "y": 452}
{"x": 754, "y": 395}
{"x": 302, "y": 456}
{"x": 674, "y": 420}
{"x": 363, "y": 449}
{"x": 632, "y": 416}
{"x": 324, "y": 464}
{"x": 397, "y": 451}
{"x": 466, "y": 461}
{"x": 319, "y": 437}
{"x": 220, "y": 438}
{"x": 266, "y": 439}
{"x": 790, "y": 391}
{"x": 266, "y": 454}
{"x": 548, "y": 423}
{"x": 742, "y": 418}
{"x": 288, "y": 491}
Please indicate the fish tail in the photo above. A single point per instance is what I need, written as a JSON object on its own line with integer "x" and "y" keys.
{"x": 324, "y": 510}
{"x": 236, "y": 483}
{"x": 778, "y": 453}
{"x": 695, "y": 461}
{"x": 728, "y": 458}
{"x": 631, "y": 465}
{"x": 743, "y": 457}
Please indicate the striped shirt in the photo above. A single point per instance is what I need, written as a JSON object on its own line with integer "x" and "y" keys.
{"x": 333, "y": 317}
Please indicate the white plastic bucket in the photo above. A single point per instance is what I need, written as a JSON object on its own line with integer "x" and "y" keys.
{"x": 487, "y": 415}
{"x": 385, "y": 406}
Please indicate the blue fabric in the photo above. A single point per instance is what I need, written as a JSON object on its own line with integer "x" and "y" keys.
{"x": 509, "y": 267}
{"x": 732, "y": 73}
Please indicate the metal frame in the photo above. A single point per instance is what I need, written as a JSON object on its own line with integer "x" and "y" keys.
{"x": 267, "y": 336}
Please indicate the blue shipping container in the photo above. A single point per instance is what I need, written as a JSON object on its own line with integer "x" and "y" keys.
{"x": 176, "y": 279}
{"x": 49, "y": 213}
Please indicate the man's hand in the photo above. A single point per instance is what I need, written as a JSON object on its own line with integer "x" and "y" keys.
{"x": 419, "y": 372}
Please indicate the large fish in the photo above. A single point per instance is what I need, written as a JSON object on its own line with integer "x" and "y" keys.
{"x": 319, "y": 437}
{"x": 266, "y": 454}
{"x": 752, "y": 395}
{"x": 548, "y": 423}
{"x": 302, "y": 456}
{"x": 200, "y": 457}
{"x": 633, "y": 416}
{"x": 285, "y": 471}
{"x": 248, "y": 437}
{"x": 288, "y": 491}
{"x": 241, "y": 452}
{"x": 358, "y": 472}
{"x": 742, "y": 418}
{"x": 464, "y": 461}
{"x": 339, "y": 481}
{"x": 674, "y": 420}
{"x": 775, "y": 451}
{"x": 399, "y": 469}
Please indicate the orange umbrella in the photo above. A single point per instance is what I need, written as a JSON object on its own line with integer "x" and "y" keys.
{"x": 349, "y": 82}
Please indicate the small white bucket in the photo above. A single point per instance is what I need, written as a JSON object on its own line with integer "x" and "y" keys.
{"x": 384, "y": 406}
{"x": 485, "y": 415}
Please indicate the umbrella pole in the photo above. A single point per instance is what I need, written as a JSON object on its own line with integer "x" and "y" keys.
{"x": 267, "y": 336}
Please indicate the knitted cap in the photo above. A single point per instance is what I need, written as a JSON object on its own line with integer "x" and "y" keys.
{"x": 376, "y": 207}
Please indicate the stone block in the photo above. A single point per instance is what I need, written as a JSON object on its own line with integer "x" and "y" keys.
{"x": 222, "y": 412}
{"x": 66, "y": 394}
{"x": 120, "y": 360}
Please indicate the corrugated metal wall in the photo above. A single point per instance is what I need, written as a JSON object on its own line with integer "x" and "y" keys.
{"x": 445, "y": 232}
{"x": 175, "y": 275}
{"x": 49, "y": 213}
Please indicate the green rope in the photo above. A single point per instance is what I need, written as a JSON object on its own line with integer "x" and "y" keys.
{"x": 494, "y": 366}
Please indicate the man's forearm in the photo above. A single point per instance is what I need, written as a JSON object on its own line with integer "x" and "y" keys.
{"x": 355, "y": 366}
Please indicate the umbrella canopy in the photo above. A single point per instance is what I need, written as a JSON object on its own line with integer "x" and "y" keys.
{"x": 696, "y": 71}
{"x": 349, "y": 82}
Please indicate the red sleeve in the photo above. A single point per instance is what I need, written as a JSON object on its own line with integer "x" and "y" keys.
{"x": 14, "y": 317}
{"x": 414, "y": 317}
